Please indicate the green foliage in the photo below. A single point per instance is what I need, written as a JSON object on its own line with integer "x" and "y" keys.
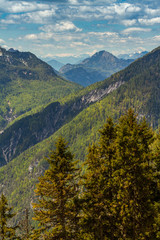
{"x": 27, "y": 83}
{"x": 6, "y": 231}
{"x": 120, "y": 184}
{"x": 57, "y": 192}
{"x": 140, "y": 80}
{"x": 134, "y": 178}
{"x": 98, "y": 219}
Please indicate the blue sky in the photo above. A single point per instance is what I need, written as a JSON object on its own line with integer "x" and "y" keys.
{"x": 51, "y": 28}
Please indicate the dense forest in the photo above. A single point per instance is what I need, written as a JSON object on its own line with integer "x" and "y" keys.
{"x": 115, "y": 195}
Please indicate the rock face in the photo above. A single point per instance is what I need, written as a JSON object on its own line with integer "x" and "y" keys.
{"x": 94, "y": 69}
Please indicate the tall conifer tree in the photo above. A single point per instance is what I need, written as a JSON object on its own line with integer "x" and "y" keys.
{"x": 98, "y": 219}
{"x": 120, "y": 184}
{"x": 134, "y": 177}
{"x": 57, "y": 190}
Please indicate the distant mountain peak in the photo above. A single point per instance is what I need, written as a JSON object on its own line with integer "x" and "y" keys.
{"x": 99, "y": 55}
{"x": 93, "y": 69}
{"x": 12, "y": 50}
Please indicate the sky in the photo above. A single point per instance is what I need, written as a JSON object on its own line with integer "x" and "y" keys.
{"x": 50, "y": 28}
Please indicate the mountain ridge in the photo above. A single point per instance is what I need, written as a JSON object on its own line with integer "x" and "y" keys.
{"x": 27, "y": 82}
{"x": 93, "y": 69}
{"x": 73, "y": 105}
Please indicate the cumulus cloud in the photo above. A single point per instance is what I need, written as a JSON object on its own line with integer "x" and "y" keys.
{"x": 151, "y": 11}
{"x": 135, "y": 29}
{"x": 39, "y": 17}
{"x": 125, "y": 8}
{"x": 61, "y": 27}
{"x": 75, "y": 10}
{"x": 72, "y": 24}
{"x": 150, "y": 21}
{"x": 129, "y": 22}
{"x": 39, "y": 36}
{"x": 21, "y": 6}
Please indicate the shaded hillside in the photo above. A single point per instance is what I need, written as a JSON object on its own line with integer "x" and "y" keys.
{"x": 27, "y": 82}
{"x": 96, "y": 68}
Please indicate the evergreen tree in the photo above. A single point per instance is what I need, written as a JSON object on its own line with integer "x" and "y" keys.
{"x": 134, "y": 177}
{"x": 98, "y": 218}
{"x": 120, "y": 183}
{"x": 56, "y": 210}
{"x": 6, "y": 231}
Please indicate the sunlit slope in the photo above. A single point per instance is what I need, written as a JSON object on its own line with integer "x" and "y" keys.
{"x": 27, "y": 82}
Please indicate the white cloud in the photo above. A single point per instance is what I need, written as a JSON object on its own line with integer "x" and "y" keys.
{"x": 43, "y": 13}
{"x": 39, "y": 17}
{"x": 18, "y": 7}
{"x": 74, "y": 2}
{"x": 129, "y": 22}
{"x": 2, "y": 41}
{"x": 124, "y": 8}
{"x": 58, "y": 23}
{"x": 156, "y": 38}
{"x": 79, "y": 44}
{"x": 78, "y": 38}
{"x": 39, "y": 36}
{"x": 21, "y": 6}
{"x": 135, "y": 29}
{"x": 151, "y": 21}
{"x": 60, "y": 27}
{"x": 151, "y": 11}
{"x": 30, "y": 37}
{"x": 104, "y": 34}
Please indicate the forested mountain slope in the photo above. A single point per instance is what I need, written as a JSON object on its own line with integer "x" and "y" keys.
{"x": 139, "y": 88}
{"x": 27, "y": 82}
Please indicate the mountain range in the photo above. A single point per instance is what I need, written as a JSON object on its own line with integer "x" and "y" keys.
{"x": 95, "y": 68}
{"x": 55, "y": 64}
{"x": 132, "y": 55}
{"x": 77, "y": 117}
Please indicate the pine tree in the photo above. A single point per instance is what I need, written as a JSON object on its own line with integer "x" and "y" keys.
{"x": 57, "y": 191}
{"x": 120, "y": 183}
{"x": 6, "y": 231}
{"x": 98, "y": 218}
{"x": 134, "y": 176}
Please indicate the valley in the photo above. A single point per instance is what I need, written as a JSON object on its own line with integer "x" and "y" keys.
{"x": 77, "y": 117}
